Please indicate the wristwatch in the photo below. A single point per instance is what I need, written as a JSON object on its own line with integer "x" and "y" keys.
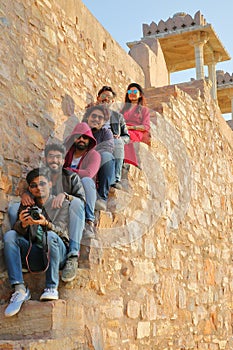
{"x": 67, "y": 196}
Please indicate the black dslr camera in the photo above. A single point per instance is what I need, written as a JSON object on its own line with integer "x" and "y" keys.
{"x": 34, "y": 212}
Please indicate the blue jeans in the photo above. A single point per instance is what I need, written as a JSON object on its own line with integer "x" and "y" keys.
{"x": 105, "y": 174}
{"x": 90, "y": 192}
{"x": 119, "y": 154}
{"x": 15, "y": 251}
{"x": 76, "y": 223}
{"x": 12, "y": 213}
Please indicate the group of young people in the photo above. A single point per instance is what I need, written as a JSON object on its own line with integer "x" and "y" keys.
{"x": 59, "y": 199}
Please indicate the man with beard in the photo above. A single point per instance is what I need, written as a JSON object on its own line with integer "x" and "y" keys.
{"x": 82, "y": 159}
{"x": 65, "y": 185}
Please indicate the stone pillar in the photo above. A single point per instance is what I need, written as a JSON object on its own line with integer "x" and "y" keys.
{"x": 212, "y": 77}
{"x": 212, "y": 74}
{"x": 198, "y": 41}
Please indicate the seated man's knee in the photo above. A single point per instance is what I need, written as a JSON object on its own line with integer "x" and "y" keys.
{"x": 13, "y": 212}
{"x": 106, "y": 157}
{"x": 52, "y": 238}
{"x": 76, "y": 204}
{"x": 10, "y": 236}
{"x": 88, "y": 183}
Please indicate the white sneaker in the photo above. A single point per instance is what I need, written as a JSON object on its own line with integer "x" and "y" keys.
{"x": 49, "y": 294}
{"x": 17, "y": 299}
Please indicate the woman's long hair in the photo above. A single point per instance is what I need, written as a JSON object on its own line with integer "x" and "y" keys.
{"x": 141, "y": 99}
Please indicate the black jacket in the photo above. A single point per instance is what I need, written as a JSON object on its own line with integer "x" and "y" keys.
{"x": 118, "y": 126}
{"x": 72, "y": 184}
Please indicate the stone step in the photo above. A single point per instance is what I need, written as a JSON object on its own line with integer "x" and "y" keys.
{"x": 64, "y": 343}
{"x": 51, "y": 319}
{"x": 194, "y": 88}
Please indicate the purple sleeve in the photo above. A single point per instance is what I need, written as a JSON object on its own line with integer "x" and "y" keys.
{"x": 105, "y": 142}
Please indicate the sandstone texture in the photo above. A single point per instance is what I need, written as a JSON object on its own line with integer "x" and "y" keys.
{"x": 159, "y": 274}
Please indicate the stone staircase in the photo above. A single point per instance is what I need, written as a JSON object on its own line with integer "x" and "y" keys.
{"x": 48, "y": 325}
{"x": 73, "y": 321}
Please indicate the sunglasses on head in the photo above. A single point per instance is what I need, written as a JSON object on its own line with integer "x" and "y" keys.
{"x": 135, "y": 91}
{"x": 40, "y": 184}
{"x": 97, "y": 116}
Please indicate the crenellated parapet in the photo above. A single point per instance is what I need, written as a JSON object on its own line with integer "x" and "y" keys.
{"x": 224, "y": 78}
{"x": 225, "y": 91}
{"x": 180, "y": 20}
{"x": 187, "y": 42}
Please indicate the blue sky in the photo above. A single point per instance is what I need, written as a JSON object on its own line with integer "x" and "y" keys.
{"x": 124, "y": 19}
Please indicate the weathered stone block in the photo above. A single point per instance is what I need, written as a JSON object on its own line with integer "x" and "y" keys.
{"x": 35, "y": 138}
{"x": 3, "y": 202}
{"x": 144, "y": 272}
{"x": 133, "y": 309}
{"x": 37, "y": 318}
{"x": 114, "y": 309}
{"x": 150, "y": 310}
{"x": 150, "y": 251}
{"x": 143, "y": 330}
{"x": 182, "y": 298}
{"x": 34, "y": 318}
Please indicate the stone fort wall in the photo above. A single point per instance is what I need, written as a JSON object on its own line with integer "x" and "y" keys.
{"x": 161, "y": 277}
{"x": 55, "y": 56}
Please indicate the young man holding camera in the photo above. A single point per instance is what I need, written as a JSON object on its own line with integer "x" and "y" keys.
{"x": 38, "y": 240}
{"x": 65, "y": 185}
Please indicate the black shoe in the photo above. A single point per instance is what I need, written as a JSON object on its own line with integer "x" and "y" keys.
{"x": 117, "y": 185}
{"x": 89, "y": 230}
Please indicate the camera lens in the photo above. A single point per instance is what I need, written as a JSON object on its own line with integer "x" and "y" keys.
{"x": 34, "y": 213}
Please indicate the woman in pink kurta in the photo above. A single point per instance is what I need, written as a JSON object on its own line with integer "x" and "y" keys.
{"x": 137, "y": 118}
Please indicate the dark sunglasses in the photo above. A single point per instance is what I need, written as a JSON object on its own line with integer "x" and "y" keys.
{"x": 84, "y": 137}
{"x": 97, "y": 116}
{"x": 132, "y": 92}
{"x": 40, "y": 184}
{"x": 105, "y": 96}
{"x": 54, "y": 156}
